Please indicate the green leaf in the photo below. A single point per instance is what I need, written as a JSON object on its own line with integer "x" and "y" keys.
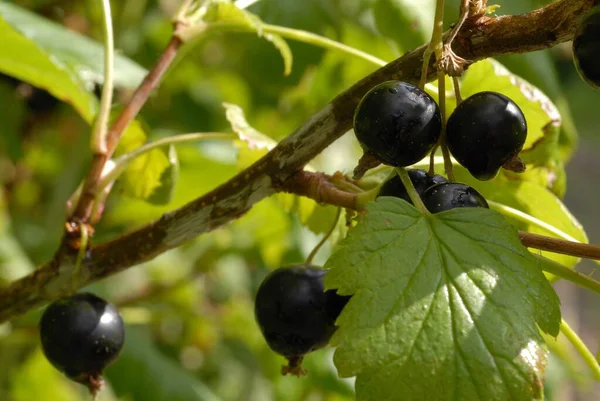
{"x": 36, "y": 379}
{"x": 152, "y": 176}
{"x": 163, "y": 194}
{"x": 143, "y": 373}
{"x": 444, "y": 306}
{"x": 407, "y": 22}
{"x": 223, "y": 12}
{"x": 255, "y": 139}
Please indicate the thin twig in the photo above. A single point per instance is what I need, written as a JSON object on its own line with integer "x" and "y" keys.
{"x": 84, "y": 207}
{"x": 315, "y": 250}
{"x": 457, "y": 94}
{"x": 98, "y": 144}
{"x": 563, "y": 247}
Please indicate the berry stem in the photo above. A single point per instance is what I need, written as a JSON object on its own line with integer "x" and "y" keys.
{"x": 316, "y": 249}
{"x": 410, "y": 189}
{"x": 432, "y": 159}
{"x": 442, "y": 141}
{"x": 581, "y": 348}
{"x": 435, "y": 44}
{"x": 457, "y": 94}
{"x": 552, "y": 267}
{"x": 98, "y": 143}
{"x": 563, "y": 247}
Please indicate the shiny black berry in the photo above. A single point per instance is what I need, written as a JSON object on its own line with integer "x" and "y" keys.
{"x": 420, "y": 179}
{"x": 397, "y": 123}
{"x": 295, "y": 314}
{"x": 586, "y": 48}
{"x": 81, "y": 335}
{"x": 450, "y": 195}
{"x": 485, "y": 132}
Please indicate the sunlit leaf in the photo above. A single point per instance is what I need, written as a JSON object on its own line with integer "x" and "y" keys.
{"x": 446, "y": 306}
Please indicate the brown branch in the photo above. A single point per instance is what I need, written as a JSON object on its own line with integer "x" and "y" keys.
{"x": 486, "y": 37}
{"x": 83, "y": 210}
{"x": 556, "y": 245}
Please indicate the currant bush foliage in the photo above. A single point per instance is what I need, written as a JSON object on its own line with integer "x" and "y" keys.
{"x": 444, "y": 306}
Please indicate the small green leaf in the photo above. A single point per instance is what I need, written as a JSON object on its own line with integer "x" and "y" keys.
{"x": 443, "y": 307}
{"x": 255, "y": 139}
{"x": 253, "y": 146}
{"x": 152, "y": 176}
{"x": 163, "y": 194}
{"x": 143, "y": 373}
{"x": 226, "y": 14}
{"x": 406, "y": 22}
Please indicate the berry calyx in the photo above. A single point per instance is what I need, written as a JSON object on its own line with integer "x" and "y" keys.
{"x": 81, "y": 335}
{"x": 398, "y": 123}
{"x": 586, "y": 48}
{"x": 485, "y": 132}
{"x": 421, "y": 181}
{"x": 295, "y": 313}
{"x": 450, "y": 195}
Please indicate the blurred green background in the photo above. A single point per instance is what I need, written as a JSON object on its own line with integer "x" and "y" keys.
{"x": 191, "y": 333}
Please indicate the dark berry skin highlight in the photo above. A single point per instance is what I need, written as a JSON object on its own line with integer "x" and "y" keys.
{"x": 81, "y": 335}
{"x": 450, "y": 195}
{"x": 295, "y": 314}
{"x": 586, "y": 48}
{"x": 421, "y": 181}
{"x": 484, "y": 132}
{"x": 397, "y": 123}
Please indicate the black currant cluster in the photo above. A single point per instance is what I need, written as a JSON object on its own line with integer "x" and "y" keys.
{"x": 436, "y": 192}
{"x": 399, "y": 124}
{"x": 81, "y": 335}
{"x": 295, "y": 313}
{"x": 586, "y": 48}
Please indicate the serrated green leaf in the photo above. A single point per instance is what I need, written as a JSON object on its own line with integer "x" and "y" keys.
{"x": 445, "y": 306}
{"x": 406, "y": 22}
{"x": 224, "y": 12}
{"x": 143, "y": 373}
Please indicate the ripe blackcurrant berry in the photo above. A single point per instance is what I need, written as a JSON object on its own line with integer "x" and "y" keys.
{"x": 586, "y": 48}
{"x": 295, "y": 314}
{"x": 450, "y": 195}
{"x": 486, "y": 131}
{"x": 81, "y": 335}
{"x": 420, "y": 179}
{"x": 397, "y": 122}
